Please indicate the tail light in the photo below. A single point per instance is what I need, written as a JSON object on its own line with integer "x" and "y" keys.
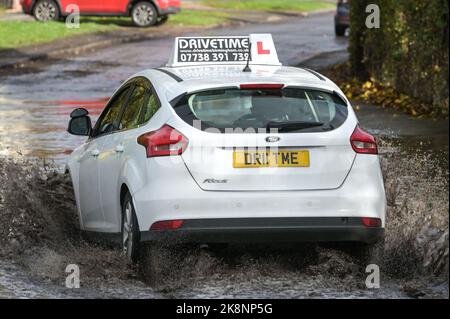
{"x": 371, "y": 222}
{"x": 167, "y": 225}
{"x": 166, "y": 141}
{"x": 363, "y": 142}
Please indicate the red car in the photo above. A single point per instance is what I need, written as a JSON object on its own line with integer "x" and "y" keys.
{"x": 144, "y": 13}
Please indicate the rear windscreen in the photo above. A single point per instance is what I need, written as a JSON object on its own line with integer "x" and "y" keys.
{"x": 285, "y": 110}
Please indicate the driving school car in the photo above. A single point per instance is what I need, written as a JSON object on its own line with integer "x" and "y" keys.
{"x": 224, "y": 144}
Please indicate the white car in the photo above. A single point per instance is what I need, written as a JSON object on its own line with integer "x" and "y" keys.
{"x": 227, "y": 152}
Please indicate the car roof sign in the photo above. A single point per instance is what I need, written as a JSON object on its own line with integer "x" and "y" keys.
{"x": 190, "y": 51}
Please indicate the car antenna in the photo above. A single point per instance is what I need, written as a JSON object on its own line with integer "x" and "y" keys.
{"x": 247, "y": 66}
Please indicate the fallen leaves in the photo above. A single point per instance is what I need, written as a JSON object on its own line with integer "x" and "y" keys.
{"x": 376, "y": 92}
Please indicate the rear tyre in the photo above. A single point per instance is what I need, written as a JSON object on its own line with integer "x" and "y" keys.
{"x": 130, "y": 230}
{"x": 144, "y": 14}
{"x": 218, "y": 247}
{"x": 339, "y": 30}
{"x": 46, "y": 10}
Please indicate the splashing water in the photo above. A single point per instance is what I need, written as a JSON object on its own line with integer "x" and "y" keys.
{"x": 39, "y": 234}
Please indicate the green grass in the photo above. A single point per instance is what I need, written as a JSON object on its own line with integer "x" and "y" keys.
{"x": 14, "y": 34}
{"x": 198, "y": 18}
{"x": 184, "y": 18}
{"x": 271, "y": 5}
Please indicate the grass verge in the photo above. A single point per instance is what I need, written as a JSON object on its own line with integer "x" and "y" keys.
{"x": 270, "y": 5}
{"x": 14, "y": 34}
{"x": 184, "y": 18}
{"x": 198, "y": 18}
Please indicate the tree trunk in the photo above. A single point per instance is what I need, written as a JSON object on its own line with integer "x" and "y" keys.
{"x": 358, "y": 28}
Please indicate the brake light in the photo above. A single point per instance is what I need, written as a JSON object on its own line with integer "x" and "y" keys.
{"x": 167, "y": 225}
{"x": 166, "y": 141}
{"x": 363, "y": 142}
{"x": 371, "y": 222}
{"x": 261, "y": 86}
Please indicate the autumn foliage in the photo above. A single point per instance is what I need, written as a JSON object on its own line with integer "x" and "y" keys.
{"x": 407, "y": 58}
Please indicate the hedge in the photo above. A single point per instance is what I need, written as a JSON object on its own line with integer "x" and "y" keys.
{"x": 6, "y": 3}
{"x": 409, "y": 51}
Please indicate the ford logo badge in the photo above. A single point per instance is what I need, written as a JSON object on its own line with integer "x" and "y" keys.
{"x": 272, "y": 139}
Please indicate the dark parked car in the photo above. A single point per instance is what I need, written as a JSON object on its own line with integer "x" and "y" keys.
{"x": 144, "y": 13}
{"x": 342, "y": 17}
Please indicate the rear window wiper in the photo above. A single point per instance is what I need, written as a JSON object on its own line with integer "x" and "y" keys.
{"x": 291, "y": 125}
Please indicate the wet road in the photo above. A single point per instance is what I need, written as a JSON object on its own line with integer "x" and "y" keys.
{"x": 34, "y": 108}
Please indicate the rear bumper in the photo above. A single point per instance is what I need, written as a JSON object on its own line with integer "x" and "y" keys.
{"x": 170, "y": 193}
{"x": 248, "y": 230}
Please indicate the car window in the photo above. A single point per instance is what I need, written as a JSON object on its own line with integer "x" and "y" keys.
{"x": 108, "y": 120}
{"x": 142, "y": 105}
{"x": 151, "y": 107}
{"x": 235, "y": 109}
{"x": 131, "y": 117}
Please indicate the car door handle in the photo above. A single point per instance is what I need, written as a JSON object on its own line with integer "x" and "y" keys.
{"x": 120, "y": 149}
{"x": 95, "y": 153}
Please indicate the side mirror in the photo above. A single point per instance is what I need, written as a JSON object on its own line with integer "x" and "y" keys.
{"x": 80, "y": 123}
{"x": 79, "y": 112}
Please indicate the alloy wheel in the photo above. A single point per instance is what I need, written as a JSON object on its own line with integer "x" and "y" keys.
{"x": 46, "y": 11}
{"x": 143, "y": 15}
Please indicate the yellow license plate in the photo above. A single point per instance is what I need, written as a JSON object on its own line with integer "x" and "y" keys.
{"x": 280, "y": 158}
